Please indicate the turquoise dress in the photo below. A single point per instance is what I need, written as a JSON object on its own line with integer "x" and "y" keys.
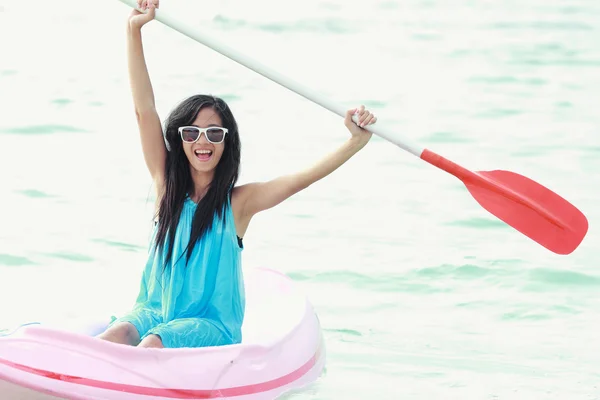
{"x": 201, "y": 304}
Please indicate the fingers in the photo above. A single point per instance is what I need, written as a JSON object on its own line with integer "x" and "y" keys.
{"x": 147, "y": 4}
{"x": 371, "y": 119}
{"x": 151, "y": 11}
{"x": 141, "y": 5}
{"x": 365, "y": 117}
{"x": 147, "y": 14}
{"x": 135, "y": 11}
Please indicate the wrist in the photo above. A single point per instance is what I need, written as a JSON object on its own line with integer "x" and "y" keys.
{"x": 358, "y": 142}
{"x": 134, "y": 29}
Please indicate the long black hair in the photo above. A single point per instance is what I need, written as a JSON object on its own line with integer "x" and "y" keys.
{"x": 178, "y": 179}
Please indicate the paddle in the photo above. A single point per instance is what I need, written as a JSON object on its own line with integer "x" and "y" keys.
{"x": 530, "y": 208}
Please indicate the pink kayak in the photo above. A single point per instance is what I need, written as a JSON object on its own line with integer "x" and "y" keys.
{"x": 282, "y": 351}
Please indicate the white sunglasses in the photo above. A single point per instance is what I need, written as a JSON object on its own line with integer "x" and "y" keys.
{"x": 191, "y": 134}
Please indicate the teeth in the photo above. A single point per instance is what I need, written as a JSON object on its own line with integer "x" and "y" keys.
{"x": 203, "y": 151}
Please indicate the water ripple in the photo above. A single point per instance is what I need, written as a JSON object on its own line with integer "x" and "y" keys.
{"x": 71, "y": 257}
{"x": 42, "y": 129}
{"x": 479, "y": 223}
{"x": 562, "y": 277}
{"x": 10, "y": 260}
{"x": 35, "y": 194}
{"x": 383, "y": 283}
{"x": 312, "y": 26}
{"x": 119, "y": 245}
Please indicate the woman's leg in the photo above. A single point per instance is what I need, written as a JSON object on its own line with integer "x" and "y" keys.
{"x": 185, "y": 332}
{"x": 130, "y": 328}
{"x": 152, "y": 341}
{"x": 122, "y": 333}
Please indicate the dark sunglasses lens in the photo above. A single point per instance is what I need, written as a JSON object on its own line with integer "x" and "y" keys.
{"x": 215, "y": 135}
{"x": 190, "y": 134}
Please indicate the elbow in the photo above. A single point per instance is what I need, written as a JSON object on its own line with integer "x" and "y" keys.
{"x": 306, "y": 179}
{"x": 301, "y": 184}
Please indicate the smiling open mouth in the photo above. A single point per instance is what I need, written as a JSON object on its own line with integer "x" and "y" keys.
{"x": 203, "y": 155}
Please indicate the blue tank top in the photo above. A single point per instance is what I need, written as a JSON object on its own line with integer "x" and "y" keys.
{"x": 211, "y": 286}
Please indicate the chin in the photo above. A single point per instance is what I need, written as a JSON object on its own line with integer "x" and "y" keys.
{"x": 204, "y": 166}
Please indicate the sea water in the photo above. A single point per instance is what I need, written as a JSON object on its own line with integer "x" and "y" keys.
{"x": 421, "y": 293}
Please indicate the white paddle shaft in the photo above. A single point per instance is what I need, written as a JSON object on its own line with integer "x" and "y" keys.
{"x": 202, "y": 37}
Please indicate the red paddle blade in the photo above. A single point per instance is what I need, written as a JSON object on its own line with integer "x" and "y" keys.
{"x": 530, "y": 208}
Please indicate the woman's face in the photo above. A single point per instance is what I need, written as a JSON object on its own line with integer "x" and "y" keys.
{"x": 202, "y": 154}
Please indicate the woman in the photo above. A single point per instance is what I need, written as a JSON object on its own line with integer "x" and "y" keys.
{"x": 192, "y": 289}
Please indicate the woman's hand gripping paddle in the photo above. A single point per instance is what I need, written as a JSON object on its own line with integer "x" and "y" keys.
{"x": 530, "y": 208}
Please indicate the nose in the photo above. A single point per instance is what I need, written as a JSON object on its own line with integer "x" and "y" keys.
{"x": 202, "y": 138}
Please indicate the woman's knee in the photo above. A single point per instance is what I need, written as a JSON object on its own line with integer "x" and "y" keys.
{"x": 121, "y": 332}
{"x": 152, "y": 341}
